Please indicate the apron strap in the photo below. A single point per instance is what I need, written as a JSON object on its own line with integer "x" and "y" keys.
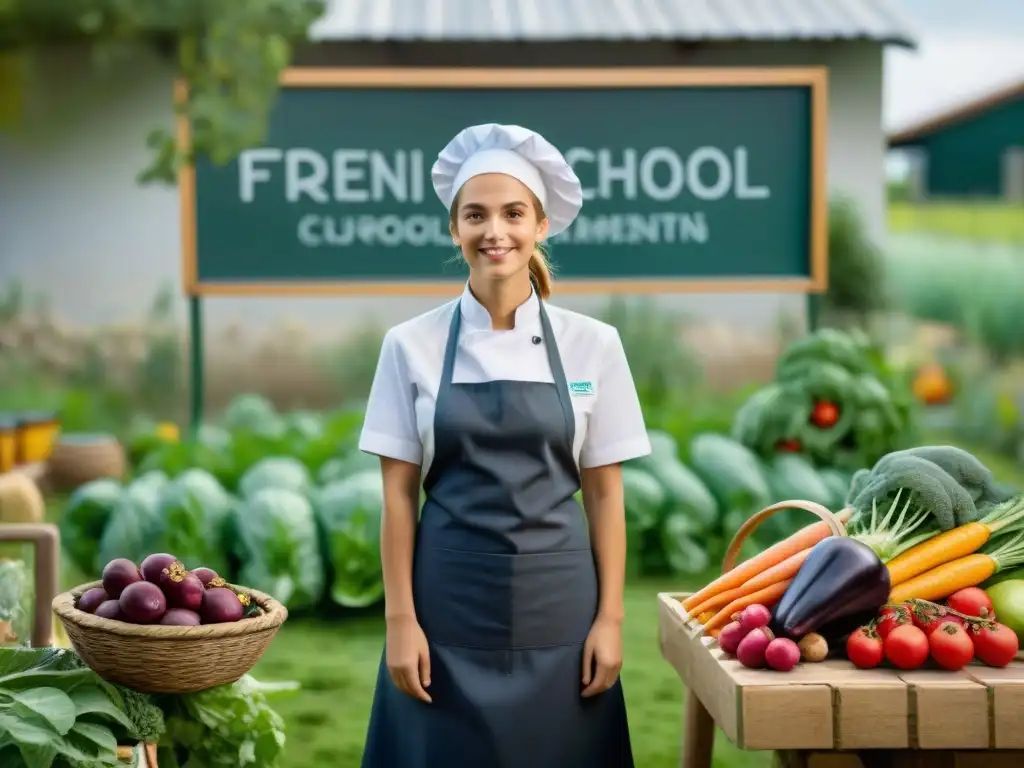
{"x": 558, "y": 373}
{"x": 450, "y": 348}
{"x": 550, "y": 346}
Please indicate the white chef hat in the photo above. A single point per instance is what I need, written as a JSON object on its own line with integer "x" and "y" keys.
{"x": 517, "y": 152}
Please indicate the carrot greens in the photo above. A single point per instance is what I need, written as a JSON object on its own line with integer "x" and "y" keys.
{"x": 899, "y": 529}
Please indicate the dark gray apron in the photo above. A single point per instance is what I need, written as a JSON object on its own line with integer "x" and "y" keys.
{"x": 505, "y": 590}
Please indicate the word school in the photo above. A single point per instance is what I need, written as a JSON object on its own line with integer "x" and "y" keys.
{"x": 355, "y": 176}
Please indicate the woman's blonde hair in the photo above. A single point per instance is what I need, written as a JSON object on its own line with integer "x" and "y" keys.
{"x": 540, "y": 269}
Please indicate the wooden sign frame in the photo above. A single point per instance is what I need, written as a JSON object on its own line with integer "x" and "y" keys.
{"x": 813, "y": 78}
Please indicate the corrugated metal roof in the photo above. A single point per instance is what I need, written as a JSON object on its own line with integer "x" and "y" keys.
{"x": 570, "y": 20}
{"x": 963, "y": 112}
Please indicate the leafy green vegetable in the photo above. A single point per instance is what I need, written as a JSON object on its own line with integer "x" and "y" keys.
{"x": 683, "y": 553}
{"x": 53, "y": 709}
{"x": 349, "y": 513}
{"x": 278, "y": 547}
{"x": 85, "y": 517}
{"x": 194, "y": 512}
{"x": 231, "y": 726}
{"x": 901, "y": 472}
{"x": 275, "y": 472}
{"x": 731, "y": 472}
{"x": 644, "y": 497}
{"x": 134, "y": 523}
{"x": 343, "y": 467}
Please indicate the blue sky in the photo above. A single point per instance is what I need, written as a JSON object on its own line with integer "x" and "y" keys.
{"x": 966, "y": 48}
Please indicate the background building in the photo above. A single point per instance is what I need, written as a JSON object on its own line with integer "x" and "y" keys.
{"x": 975, "y": 150}
{"x": 75, "y": 226}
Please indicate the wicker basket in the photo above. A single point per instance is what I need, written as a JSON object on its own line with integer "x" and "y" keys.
{"x": 167, "y": 659}
{"x": 79, "y": 459}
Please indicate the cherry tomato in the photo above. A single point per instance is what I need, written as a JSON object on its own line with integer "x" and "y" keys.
{"x": 906, "y": 647}
{"x": 864, "y": 648}
{"x": 892, "y": 617}
{"x": 995, "y": 645}
{"x": 972, "y": 602}
{"x": 825, "y": 414}
{"x": 950, "y": 646}
{"x": 788, "y": 446}
{"x": 928, "y": 618}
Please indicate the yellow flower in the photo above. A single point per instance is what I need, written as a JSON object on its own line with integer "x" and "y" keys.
{"x": 165, "y": 430}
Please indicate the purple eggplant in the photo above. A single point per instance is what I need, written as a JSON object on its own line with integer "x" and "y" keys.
{"x": 842, "y": 579}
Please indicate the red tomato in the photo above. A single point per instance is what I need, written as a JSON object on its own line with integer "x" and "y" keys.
{"x": 892, "y": 617}
{"x": 788, "y": 446}
{"x": 950, "y": 646}
{"x": 825, "y": 414}
{"x": 995, "y": 645}
{"x": 864, "y": 648}
{"x": 906, "y": 647}
{"x": 927, "y": 618}
{"x": 972, "y": 602}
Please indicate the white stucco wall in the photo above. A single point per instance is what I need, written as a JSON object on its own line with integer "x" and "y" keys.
{"x": 76, "y": 227}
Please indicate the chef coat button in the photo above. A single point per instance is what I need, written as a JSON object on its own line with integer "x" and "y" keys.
{"x": 536, "y": 339}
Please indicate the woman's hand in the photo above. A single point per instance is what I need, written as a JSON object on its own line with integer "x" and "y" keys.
{"x": 408, "y": 657}
{"x": 602, "y": 656}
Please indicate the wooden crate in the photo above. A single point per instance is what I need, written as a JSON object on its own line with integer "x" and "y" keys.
{"x": 835, "y": 706}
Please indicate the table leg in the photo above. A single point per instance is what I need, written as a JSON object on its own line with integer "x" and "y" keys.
{"x": 698, "y": 734}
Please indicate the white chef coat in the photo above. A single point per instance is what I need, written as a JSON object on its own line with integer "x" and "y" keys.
{"x": 399, "y": 421}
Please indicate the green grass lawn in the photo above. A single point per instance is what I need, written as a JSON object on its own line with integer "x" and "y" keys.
{"x": 1002, "y": 222}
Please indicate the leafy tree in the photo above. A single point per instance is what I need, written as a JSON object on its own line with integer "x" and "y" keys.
{"x": 229, "y": 55}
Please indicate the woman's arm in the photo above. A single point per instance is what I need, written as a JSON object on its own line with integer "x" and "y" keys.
{"x": 398, "y": 535}
{"x": 605, "y": 508}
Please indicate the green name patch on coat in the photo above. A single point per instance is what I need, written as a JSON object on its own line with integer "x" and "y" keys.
{"x": 581, "y": 388}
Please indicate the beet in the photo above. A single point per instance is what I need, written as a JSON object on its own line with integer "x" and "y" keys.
{"x": 142, "y": 603}
{"x": 153, "y": 566}
{"x": 206, "y": 575}
{"x": 92, "y": 599}
{"x": 109, "y": 609}
{"x": 221, "y": 605}
{"x": 181, "y": 617}
{"x": 118, "y": 574}
{"x": 182, "y": 588}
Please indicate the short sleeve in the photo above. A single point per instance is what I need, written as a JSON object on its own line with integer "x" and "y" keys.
{"x": 615, "y": 430}
{"x": 389, "y": 427}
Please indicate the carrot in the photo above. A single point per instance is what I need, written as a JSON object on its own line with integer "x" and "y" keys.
{"x": 803, "y": 539}
{"x": 785, "y": 570}
{"x": 952, "y": 544}
{"x": 968, "y": 571}
{"x": 945, "y": 548}
{"x": 943, "y": 581}
{"x": 767, "y": 597}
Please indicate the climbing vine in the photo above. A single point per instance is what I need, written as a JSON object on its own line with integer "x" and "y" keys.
{"x": 228, "y": 53}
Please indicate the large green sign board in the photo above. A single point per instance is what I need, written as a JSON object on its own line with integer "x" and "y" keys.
{"x": 693, "y": 180}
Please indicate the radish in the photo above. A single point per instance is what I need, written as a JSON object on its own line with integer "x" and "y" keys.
{"x": 752, "y": 647}
{"x": 754, "y": 616}
{"x": 782, "y": 654}
{"x": 730, "y": 637}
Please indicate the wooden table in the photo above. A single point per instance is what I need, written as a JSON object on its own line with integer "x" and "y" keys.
{"x": 833, "y": 715}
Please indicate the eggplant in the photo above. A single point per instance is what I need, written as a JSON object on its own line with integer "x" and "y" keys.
{"x": 841, "y": 579}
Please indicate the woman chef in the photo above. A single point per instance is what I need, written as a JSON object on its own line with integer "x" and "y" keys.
{"x": 504, "y": 617}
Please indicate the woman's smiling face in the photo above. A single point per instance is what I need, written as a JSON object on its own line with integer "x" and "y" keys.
{"x": 497, "y": 223}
